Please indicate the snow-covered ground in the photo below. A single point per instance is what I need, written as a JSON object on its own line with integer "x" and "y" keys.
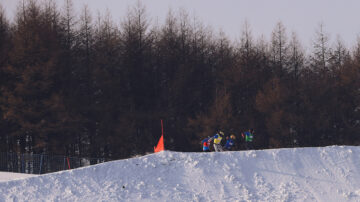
{"x": 301, "y": 174}
{"x": 5, "y": 176}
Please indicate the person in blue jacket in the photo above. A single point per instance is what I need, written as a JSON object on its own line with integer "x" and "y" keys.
{"x": 230, "y": 142}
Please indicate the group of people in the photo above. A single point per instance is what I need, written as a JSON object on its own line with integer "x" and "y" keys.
{"x": 229, "y": 143}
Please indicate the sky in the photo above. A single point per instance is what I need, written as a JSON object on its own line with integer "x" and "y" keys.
{"x": 302, "y": 16}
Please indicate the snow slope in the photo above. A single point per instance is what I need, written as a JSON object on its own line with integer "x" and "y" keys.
{"x": 302, "y": 174}
{"x": 5, "y": 176}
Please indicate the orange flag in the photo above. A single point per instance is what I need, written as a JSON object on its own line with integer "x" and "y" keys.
{"x": 160, "y": 145}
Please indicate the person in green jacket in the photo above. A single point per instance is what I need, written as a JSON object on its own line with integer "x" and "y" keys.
{"x": 248, "y": 136}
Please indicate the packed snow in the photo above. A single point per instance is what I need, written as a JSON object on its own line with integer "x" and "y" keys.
{"x": 5, "y": 176}
{"x": 300, "y": 174}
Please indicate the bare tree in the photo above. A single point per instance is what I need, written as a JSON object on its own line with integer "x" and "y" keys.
{"x": 356, "y": 49}
{"x": 185, "y": 32}
{"x": 86, "y": 34}
{"x": 279, "y": 48}
{"x": 321, "y": 51}
{"x": 296, "y": 56}
{"x": 339, "y": 54}
{"x": 68, "y": 20}
{"x": 4, "y": 24}
{"x": 4, "y": 35}
{"x": 246, "y": 41}
{"x": 51, "y": 14}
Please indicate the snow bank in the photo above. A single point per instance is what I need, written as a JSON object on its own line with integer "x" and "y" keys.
{"x": 5, "y": 176}
{"x": 302, "y": 174}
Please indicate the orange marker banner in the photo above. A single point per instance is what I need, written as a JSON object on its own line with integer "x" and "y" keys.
{"x": 160, "y": 146}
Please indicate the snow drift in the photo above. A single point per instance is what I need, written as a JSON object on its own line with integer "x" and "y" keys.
{"x": 301, "y": 174}
{"x": 5, "y": 176}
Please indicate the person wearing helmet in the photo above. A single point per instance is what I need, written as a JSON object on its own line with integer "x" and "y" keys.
{"x": 206, "y": 144}
{"x": 217, "y": 141}
{"x": 230, "y": 142}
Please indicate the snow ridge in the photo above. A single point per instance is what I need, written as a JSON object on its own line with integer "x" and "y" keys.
{"x": 300, "y": 174}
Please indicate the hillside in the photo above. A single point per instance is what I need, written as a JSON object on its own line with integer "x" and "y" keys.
{"x": 301, "y": 174}
{"x": 5, "y": 176}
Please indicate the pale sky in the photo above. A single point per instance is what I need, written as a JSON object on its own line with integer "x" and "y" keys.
{"x": 302, "y": 16}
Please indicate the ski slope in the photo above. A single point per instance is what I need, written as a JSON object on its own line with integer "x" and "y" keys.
{"x": 301, "y": 174}
{"x": 5, "y": 176}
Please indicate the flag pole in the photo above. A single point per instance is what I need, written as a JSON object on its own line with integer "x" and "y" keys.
{"x": 162, "y": 128}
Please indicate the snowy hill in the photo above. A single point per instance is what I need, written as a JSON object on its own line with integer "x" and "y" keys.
{"x": 302, "y": 174}
{"x": 5, "y": 176}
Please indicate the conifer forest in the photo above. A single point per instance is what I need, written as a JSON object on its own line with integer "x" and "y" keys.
{"x": 83, "y": 84}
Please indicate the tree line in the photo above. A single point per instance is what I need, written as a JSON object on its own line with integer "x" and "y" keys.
{"x": 84, "y": 85}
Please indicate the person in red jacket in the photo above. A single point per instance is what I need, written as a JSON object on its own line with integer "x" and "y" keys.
{"x": 206, "y": 144}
